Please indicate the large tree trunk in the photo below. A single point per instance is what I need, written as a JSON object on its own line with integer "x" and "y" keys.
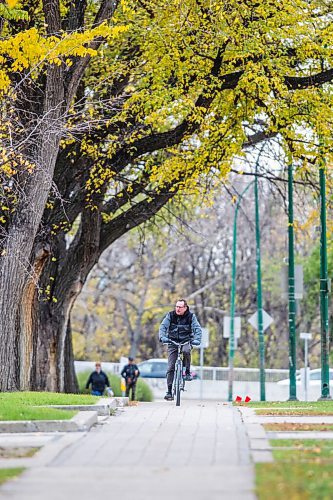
{"x": 53, "y": 368}
{"x": 15, "y": 267}
{"x": 27, "y": 318}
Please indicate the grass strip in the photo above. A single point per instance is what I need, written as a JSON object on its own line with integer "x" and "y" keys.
{"x": 18, "y": 452}
{"x": 291, "y": 427}
{"x": 319, "y": 405}
{"x": 294, "y": 481}
{"x": 25, "y": 405}
{"x": 6, "y": 474}
{"x": 302, "y": 471}
{"x": 306, "y": 450}
{"x": 295, "y": 411}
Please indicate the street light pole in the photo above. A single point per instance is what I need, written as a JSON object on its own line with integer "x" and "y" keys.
{"x": 291, "y": 288}
{"x": 324, "y": 290}
{"x": 232, "y": 298}
{"x": 259, "y": 295}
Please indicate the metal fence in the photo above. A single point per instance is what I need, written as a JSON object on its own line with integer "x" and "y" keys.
{"x": 241, "y": 374}
{"x": 208, "y": 372}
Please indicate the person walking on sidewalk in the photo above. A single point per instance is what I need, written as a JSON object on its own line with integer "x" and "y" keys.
{"x": 98, "y": 380}
{"x": 180, "y": 325}
{"x": 130, "y": 372}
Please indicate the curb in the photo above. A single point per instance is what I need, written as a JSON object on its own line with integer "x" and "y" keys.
{"x": 103, "y": 406}
{"x": 83, "y": 421}
{"x": 260, "y": 448}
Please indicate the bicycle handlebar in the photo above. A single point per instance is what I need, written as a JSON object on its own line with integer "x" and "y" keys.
{"x": 177, "y": 343}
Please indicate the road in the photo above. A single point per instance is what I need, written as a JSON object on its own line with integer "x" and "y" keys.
{"x": 157, "y": 451}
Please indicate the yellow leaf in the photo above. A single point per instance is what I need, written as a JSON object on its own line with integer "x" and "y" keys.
{"x": 11, "y": 3}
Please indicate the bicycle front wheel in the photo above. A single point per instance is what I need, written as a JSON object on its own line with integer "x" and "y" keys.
{"x": 178, "y": 384}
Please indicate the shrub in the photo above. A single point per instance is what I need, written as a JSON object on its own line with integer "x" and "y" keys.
{"x": 143, "y": 391}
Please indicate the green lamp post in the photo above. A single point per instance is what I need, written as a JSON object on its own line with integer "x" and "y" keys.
{"x": 233, "y": 296}
{"x": 324, "y": 289}
{"x": 291, "y": 288}
{"x": 259, "y": 295}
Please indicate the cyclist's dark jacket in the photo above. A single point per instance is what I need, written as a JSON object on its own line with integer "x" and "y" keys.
{"x": 180, "y": 328}
{"x": 98, "y": 381}
{"x": 129, "y": 372}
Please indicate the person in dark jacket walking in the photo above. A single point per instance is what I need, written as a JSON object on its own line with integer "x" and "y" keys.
{"x": 180, "y": 325}
{"x": 98, "y": 380}
{"x": 130, "y": 372}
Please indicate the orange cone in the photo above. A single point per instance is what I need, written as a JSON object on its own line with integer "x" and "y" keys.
{"x": 247, "y": 399}
{"x": 238, "y": 399}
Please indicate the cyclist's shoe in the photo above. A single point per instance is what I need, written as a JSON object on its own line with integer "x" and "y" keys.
{"x": 168, "y": 396}
{"x": 188, "y": 377}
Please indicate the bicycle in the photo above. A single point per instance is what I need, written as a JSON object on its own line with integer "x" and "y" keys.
{"x": 178, "y": 379}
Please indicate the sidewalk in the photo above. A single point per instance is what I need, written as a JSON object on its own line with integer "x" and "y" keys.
{"x": 150, "y": 451}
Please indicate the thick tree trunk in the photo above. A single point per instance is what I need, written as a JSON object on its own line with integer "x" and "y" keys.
{"x": 15, "y": 267}
{"x": 9, "y": 358}
{"x": 53, "y": 367}
{"x": 27, "y": 319}
{"x": 70, "y": 381}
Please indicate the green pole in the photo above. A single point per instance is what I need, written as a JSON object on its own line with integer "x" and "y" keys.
{"x": 232, "y": 299}
{"x": 259, "y": 296}
{"x": 324, "y": 290}
{"x": 291, "y": 289}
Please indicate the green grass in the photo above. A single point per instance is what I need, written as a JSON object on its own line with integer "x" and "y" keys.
{"x": 143, "y": 391}
{"x": 291, "y": 404}
{"x": 302, "y": 471}
{"x": 20, "y": 452}
{"x": 25, "y": 405}
{"x": 294, "y": 481}
{"x": 292, "y": 427}
{"x": 292, "y": 407}
{"x": 296, "y": 411}
{"x": 6, "y": 474}
{"x": 305, "y": 450}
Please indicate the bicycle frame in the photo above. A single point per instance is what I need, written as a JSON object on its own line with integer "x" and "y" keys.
{"x": 178, "y": 379}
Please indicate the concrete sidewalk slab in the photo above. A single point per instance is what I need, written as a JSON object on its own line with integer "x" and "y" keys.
{"x": 34, "y": 439}
{"x": 46, "y": 454}
{"x": 153, "y": 450}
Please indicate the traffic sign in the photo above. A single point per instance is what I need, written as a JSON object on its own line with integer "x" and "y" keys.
{"x": 226, "y": 327}
{"x": 267, "y": 320}
{"x": 204, "y": 338}
{"x": 298, "y": 290}
{"x": 305, "y": 336}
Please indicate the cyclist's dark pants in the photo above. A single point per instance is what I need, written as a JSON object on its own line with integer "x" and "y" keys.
{"x": 172, "y": 358}
{"x": 131, "y": 385}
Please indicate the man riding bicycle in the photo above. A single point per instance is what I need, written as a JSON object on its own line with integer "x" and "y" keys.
{"x": 180, "y": 326}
